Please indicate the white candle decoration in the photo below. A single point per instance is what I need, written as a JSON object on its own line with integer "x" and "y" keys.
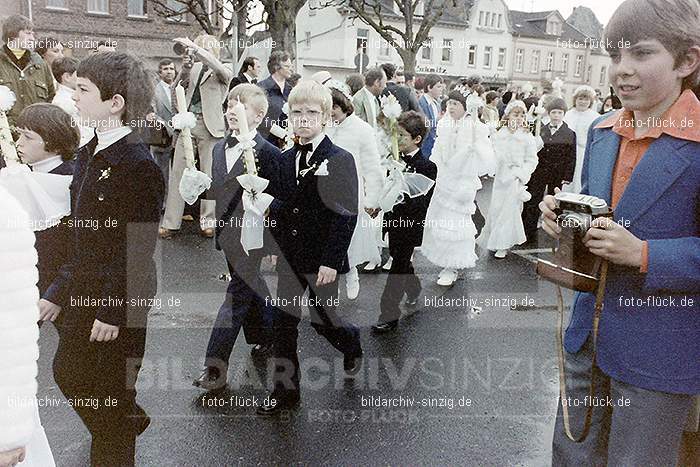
{"x": 7, "y": 145}
{"x": 185, "y": 133}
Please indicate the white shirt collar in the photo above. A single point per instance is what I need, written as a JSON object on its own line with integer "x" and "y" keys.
{"x": 63, "y": 89}
{"x": 248, "y": 77}
{"x": 107, "y": 138}
{"x": 250, "y": 135}
{"x": 315, "y": 142}
{"x": 47, "y": 165}
{"x": 412, "y": 153}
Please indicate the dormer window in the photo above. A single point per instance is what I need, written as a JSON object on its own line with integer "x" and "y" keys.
{"x": 553, "y": 27}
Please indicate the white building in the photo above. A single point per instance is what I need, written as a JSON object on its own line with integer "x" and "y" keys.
{"x": 483, "y": 38}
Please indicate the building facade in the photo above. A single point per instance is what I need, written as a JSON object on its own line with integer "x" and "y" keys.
{"x": 130, "y": 25}
{"x": 486, "y": 38}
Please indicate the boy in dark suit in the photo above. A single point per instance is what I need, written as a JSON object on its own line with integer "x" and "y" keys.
{"x": 247, "y": 302}
{"x": 557, "y": 160}
{"x": 316, "y": 213}
{"x": 404, "y": 224}
{"x": 47, "y": 142}
{"x": 104, "y": 289}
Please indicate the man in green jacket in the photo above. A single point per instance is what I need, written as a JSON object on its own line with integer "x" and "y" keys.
{"x": 21, "y": 69}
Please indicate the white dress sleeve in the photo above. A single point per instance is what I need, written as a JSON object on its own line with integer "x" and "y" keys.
{"x": 371, "y": 164}
{"x": 19, "y": 332}
{"x": 529, "y": 159}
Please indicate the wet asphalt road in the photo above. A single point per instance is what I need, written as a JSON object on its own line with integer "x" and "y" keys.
{"x": 474, "y": 377}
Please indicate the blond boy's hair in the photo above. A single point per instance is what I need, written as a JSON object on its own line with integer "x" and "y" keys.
{"x": 251, "y": 95}
{"x": 584, "y": 91}
{"x": 674, "y": 23}
{"x": 209, "y": 43}
{"x": 308, "y": 91}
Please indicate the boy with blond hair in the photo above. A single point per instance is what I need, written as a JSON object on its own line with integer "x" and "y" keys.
{"x": 643, "y": 160}
{"x": 316, "y": 215}
{"x": 247, "y": 302}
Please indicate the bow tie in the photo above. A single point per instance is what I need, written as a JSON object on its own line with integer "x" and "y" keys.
{"x": 254, "y": 81}
{"x": 308, "y": 147}
{"x": 231, "y": 141}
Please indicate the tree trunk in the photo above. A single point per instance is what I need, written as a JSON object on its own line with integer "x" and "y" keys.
{"x": 281, "y": 23}
{"x": 409, "y": 60}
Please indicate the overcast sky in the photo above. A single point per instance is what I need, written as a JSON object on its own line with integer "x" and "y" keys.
{"x": 603, "y": 9}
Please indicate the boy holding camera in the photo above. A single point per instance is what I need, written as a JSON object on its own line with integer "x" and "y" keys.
{"x": 643, "y": 161}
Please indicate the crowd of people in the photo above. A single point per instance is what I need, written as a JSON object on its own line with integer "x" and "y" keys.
{"x": 362, "y": 174}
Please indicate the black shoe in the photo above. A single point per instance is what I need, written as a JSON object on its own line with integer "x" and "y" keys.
{"x": 210, "y": 380}
{"x": 260, "y": 350}
{"x": 274, "y": 405}
{"x": 385, "y": 327}
{"x": 352, "y": 364}
{"x": 412, "y": 300}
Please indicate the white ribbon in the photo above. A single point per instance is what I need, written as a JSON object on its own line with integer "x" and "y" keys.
{"x": 255, "y": 203}
{"x": 192, "y": 184}
{"x": 400, "y": 183}
{"x": 242, "y": 145}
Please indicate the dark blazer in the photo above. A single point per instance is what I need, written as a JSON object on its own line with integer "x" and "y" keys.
{"x": 317, "y": 217}
{"x": 557, "y": 159}
{"x": 53, "y": 246}
{"x": 276, "y": 100}
{"x": 116, "y": 198}
{"x": 227, "y": 192}
{"x": 432, "y": 119}
{"x": 404, "y": 95}
{"x": 405, "y": 221}
{"x": 241, "y": 78}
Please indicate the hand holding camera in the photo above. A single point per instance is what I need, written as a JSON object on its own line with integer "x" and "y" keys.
{"x": 600, "y": 235}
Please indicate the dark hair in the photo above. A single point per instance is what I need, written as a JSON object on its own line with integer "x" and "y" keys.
{"x": 409, "y": 76}
{"x": 556, "y": 104}
{"x": 414, "y": 123}
{"x": 342, "y": 101}
{"x": 455, "y": 95}
{"x": 419, "y": 83}
{"x": 491, "y": 96}
{"x": 293, "y": 79}
{"x": 373, "y": 75}
{"x": 673, "y": 23}
{"x": 274, "y": 63}
{"x": 389, "y": 70}
{"x": 64, "y": 65}
{"x": 355, "y": 81}
{"x": 44, "y": 44}
{"x": 13, "y": 25}
{"x": 473, "y": 80}
{"x": 400, "y": 73}
{"x": 247, "y": 63}
{"x": 55, "y": 126}
{"x": 164, "y": 62}
{"x": 121, "y": 73}
{"x": 431, "y": 80}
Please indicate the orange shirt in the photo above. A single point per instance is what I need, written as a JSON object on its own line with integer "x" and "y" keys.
{"x": 681, "y": 120}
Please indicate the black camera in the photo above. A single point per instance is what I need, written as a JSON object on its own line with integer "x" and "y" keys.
{"x": 573, "y": 265}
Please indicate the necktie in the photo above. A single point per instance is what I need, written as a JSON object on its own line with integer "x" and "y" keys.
{"x": 302, "y": 151}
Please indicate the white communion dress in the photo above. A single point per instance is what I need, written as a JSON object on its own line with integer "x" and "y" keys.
{"x": 516, "y": 156}
{"x": 579, "y": 122}
{"x": 19, "y": 413}
{"x": 358, "y": 138}
{"x": 462, "y": 153}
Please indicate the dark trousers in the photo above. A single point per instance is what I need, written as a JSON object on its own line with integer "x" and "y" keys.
{"x": 647, "y": 430}
{"x": 401, "y": 280}
{"x": 98, "y": 379}
{"x": 322, "y": 307}
{"x": 540, "y": 180}
{"x": 247, "y": 304}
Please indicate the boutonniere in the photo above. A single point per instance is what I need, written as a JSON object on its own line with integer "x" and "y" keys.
{"x": 104, "y": 175}
{"x": 322, "y": 170}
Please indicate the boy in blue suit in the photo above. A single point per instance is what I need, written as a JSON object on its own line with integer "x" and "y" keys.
{"x": 644, "y": 161}
{"x": 105, "y": 288}
{"x": 316, "y": 214}
{"x": 247, "y": 302}
{"x": 428, "y": 102}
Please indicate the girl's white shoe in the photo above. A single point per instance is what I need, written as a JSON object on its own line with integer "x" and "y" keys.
{"x": 501, "y": 254}
{"x": 447, "y": 277}
{"x": 352, "y": 283}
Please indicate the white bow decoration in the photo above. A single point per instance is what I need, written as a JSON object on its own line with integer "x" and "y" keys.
{"x": 242, "y": 145}
{"x": 255, "y": 203}
{"x": 400, "y": 183}
{"x": 192, "y": 184}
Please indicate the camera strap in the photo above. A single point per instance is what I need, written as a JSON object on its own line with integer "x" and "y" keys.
{"x": 599, "y": 295}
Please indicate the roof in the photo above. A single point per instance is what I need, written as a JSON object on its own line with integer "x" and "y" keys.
{"x": 533, "y": 24}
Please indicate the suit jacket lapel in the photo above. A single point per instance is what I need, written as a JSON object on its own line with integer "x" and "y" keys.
{"x": 661, "y": 165}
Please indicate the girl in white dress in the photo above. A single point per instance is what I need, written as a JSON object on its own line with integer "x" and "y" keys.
{"x": 516, "y": 155}
{"x": 579, "y": 119}
{"x": 462, "y": 153}
{"x": 356, "y": 136}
